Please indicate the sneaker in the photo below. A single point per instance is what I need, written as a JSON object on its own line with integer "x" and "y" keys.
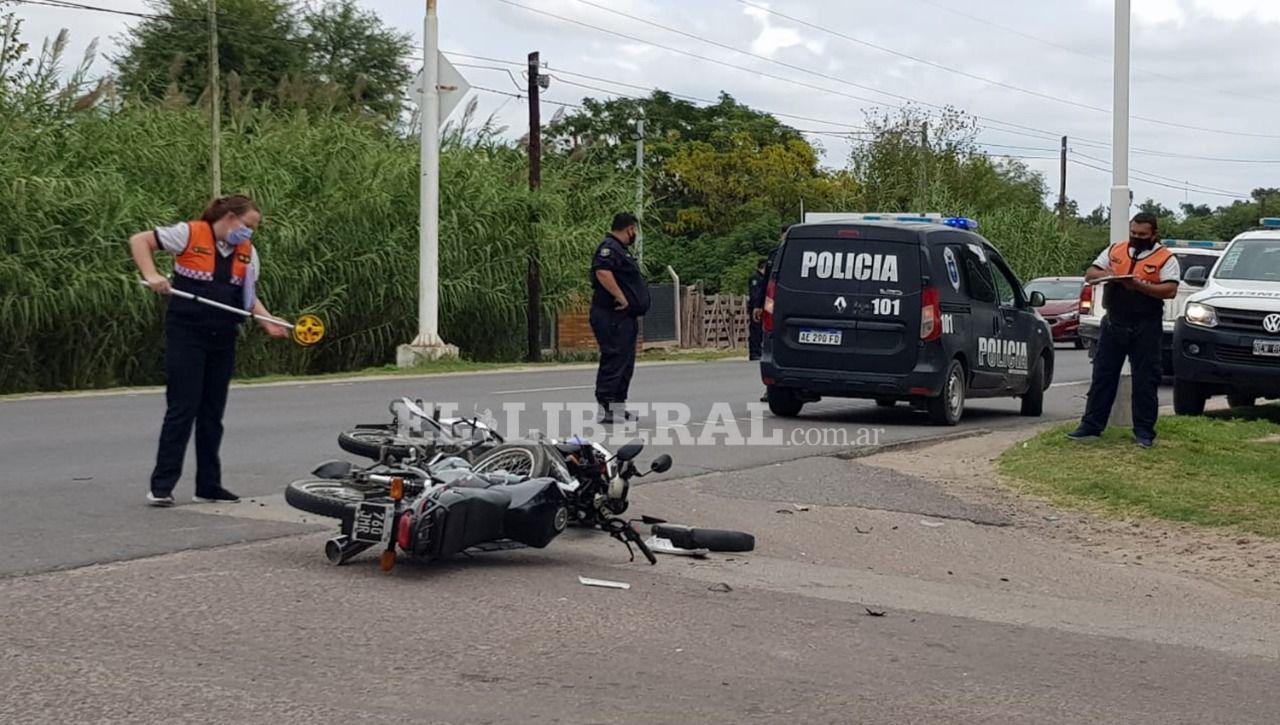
{"x": 1080, "y": 434}
{"x": 1144, "y": 442}
{"x": 221, "y": 495}
{"x": 163, "y": 501}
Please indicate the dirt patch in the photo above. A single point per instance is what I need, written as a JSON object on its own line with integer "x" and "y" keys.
{"x": 1242, "y": 562}
{"x": 1269, "y": 439}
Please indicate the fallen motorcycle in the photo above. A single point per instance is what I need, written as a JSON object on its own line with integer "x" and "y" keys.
{"x": 414, "y": 431}
{"x": 446, "y": 506}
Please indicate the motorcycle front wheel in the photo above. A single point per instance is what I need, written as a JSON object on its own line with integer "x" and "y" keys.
{"x": 323, "y": 497}
{"x": 521, "y": 459}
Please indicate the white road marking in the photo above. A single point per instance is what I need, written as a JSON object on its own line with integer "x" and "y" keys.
{"x": 542, "y": 390}
{"x": 1069, "y": 384}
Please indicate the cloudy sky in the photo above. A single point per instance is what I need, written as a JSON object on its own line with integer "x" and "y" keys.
{"x": 1205, "y": 80}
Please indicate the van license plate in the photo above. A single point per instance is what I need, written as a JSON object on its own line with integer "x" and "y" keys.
{"x": 1270, "y": 348}
{"x": 821, "y": 337}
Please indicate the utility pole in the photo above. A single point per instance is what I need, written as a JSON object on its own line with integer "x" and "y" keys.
{"x": 215, "y": 103}
{"x": 428, "y": 345}
{"x": 1062, "y": 187}
{"x": 640, "y": 189}
{"x": 534, "y": 310}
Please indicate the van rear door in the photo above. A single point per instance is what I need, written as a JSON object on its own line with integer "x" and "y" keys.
{"x": 848, "y": 298}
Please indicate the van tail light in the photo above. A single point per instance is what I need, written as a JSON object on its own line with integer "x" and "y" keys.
{"x": 1086, "y": 299}
{"x": 930, "y": 314}
{"x": 766, "y": 317}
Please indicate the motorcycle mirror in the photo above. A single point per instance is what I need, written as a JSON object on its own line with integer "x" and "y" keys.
{"x": 331, "y": 470}
{"x": 630, "y": 450}
{"x": 661, "y": 464}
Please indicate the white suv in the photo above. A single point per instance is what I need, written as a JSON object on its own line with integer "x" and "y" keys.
{"x": 1190, "y": 253}
{"x": 1228, "y": 339}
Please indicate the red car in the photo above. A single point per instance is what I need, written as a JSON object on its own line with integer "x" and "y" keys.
{"x": 1062, "y": 309}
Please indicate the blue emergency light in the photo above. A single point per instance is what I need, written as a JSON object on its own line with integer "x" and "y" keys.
{"x": 960, "y": 222}
{"x": 1192, "y": 243}
{"x": 1270, "y": 221}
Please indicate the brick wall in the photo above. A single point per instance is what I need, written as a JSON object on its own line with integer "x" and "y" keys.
{"x": 573, "y": 331}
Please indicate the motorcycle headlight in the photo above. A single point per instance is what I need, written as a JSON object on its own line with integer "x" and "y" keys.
{"x": 1198, "y": 313}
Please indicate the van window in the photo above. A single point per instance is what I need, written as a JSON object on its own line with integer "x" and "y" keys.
{"x": 1004, "y": 286}
{"x": 982, "y": 287}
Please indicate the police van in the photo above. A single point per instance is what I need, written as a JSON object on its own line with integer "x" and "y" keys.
{"x": 893, "y": 307}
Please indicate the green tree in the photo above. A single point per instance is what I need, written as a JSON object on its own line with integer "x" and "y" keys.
{"x": 334, "y": 57}
{"x": 357, "y": 58}
{"x": 167, "y": 55}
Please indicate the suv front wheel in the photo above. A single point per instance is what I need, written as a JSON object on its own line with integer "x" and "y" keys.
{"x": 947, "y": 408}
{"x": 1188, "y": 397}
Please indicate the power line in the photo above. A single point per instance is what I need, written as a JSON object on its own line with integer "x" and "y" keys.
{"x": 810, "y": 71}
{"x": 557, "y": 72}
{"x": 791, "y": 81}
{"x": 1069, "y": 49}
{"x": 1159, "y": 183}
{"x": 1198, "y": 187}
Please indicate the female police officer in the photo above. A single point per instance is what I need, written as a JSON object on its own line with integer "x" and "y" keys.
{"x": 215, "y": 260}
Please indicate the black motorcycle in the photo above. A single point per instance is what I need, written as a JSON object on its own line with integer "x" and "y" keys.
{"x": 433, "y": 511}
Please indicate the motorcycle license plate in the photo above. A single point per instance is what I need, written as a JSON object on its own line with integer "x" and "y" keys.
{"x": 820, "y": 337}
{"x": 1268, "y": 348}
{"x": 373, "y": 522}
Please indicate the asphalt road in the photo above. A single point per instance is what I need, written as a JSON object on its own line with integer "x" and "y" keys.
{"x": 984, "y": 620}
{"x": 75, "y": 468}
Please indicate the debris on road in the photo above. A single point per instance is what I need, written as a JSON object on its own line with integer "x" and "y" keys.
{"x": 660, "y": 545}
{"x": 860, "y": 531}
{"x": 604, "y": 583}
{"x": 721, "y": 587}
{"x": 932, "y": 524}
{"x": 874, "y": 613}
{"x": 798, "y": 507}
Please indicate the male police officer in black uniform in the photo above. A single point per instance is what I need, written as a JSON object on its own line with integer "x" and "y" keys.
{"x": 1132, "y": 328}
{"x": 619, "y": 299}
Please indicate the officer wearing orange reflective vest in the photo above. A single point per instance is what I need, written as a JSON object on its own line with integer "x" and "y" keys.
{"x": 1131, "y": 328}
{"x": 214, "y": 259}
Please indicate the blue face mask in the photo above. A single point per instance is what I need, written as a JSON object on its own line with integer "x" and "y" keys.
{"x": 239, "y": 235}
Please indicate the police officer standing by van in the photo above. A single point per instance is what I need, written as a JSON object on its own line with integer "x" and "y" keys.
{"x": 1131, "y": 328}
{"x": 755, "y": 306}
{"x": 619, "y": 299}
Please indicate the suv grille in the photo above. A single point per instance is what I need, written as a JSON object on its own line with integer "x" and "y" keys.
{"x": 1250, "y": 320}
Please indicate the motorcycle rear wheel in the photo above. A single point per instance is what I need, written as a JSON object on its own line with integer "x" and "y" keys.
{"x": 368, "y": 442}
{"x": 323, "y": 497}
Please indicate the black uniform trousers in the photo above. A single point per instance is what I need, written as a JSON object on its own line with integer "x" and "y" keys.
{"x": 1140, "y": 342}
{"x": 616, "y": 335}
{"x": 755, "y": 338}
{"x": 198, "y": 365}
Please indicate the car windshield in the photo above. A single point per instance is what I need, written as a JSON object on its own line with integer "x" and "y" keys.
{"x": 1055, "y": 289}
{"x": 1187, "y": 261}
{"x": 1252, "y": 259}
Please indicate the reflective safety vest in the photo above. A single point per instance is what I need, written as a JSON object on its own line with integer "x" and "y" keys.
{"x": 1146, "y": 269}
{"x": 1127, "y": 306}
{"x": 203, "y": 271}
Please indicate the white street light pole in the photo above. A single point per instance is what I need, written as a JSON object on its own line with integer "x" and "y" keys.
{"x": 429, "y": 207}
{"x": 428, "y": 345}
{"x": 1120, "y": 128}
{"x": 640, "y": 188}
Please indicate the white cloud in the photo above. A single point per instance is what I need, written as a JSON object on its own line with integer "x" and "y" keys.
{"x": 774, "y": 38}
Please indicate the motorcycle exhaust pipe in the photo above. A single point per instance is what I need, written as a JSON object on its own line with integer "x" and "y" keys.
{"x": 340, "y": 548}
